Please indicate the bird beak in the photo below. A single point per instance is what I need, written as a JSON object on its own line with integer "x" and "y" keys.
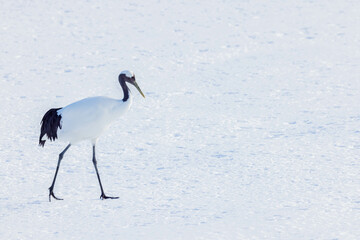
{"x": 138, "y": 88}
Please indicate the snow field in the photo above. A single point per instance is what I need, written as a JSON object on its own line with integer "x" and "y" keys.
{"x": 249, "y": 129}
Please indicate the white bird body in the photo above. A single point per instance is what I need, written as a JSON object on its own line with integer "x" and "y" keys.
{"x": 89, "y": 117}
{"x": 85, "y": 120}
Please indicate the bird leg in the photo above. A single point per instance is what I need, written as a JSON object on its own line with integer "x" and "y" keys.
{"x": 102, "y": 196}
{"x": 51, "y": 193}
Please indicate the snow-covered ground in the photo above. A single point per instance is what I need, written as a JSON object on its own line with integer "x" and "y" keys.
{"x": 250, "y": 128}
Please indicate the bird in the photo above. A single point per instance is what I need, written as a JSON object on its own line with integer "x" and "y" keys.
{"x": 86, "y": 119}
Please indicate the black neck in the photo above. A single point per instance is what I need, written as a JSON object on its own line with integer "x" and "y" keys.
{"x": 125, "y": 89}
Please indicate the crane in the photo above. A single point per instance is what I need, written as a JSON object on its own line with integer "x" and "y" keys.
{"x": 86, "y": 120}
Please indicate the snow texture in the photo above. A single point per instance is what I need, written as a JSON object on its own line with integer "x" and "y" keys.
{"x": 250, "y": 128}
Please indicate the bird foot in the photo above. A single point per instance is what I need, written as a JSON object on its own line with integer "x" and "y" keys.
{"x": 103, "y": 196}
{"x": 51, "y": 194}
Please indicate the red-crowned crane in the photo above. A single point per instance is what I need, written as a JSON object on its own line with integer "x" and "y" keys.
{"x": 86, "y": 120}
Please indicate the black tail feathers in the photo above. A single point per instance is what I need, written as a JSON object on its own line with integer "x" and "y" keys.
{"x": 49, "y": 125}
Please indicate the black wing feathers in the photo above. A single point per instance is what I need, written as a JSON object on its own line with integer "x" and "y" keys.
{"x": 49, "y": 125}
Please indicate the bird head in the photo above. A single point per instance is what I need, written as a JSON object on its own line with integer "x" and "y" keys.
{"x": 129, "y": 77}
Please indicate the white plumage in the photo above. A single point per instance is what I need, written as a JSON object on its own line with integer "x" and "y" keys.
{"x": 86, "y": 120}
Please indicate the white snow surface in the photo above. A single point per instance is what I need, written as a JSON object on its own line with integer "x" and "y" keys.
{"x": 250, "y": 128}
